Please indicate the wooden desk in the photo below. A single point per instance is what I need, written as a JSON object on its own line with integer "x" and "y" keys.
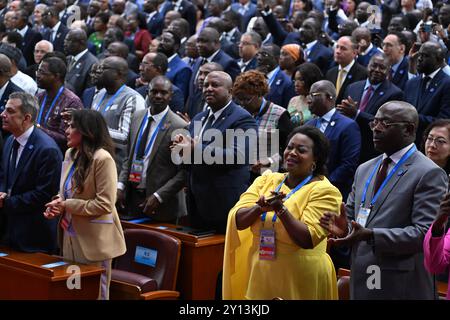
{"x": 23, "y": 277}
{"x": 200, "y": 262}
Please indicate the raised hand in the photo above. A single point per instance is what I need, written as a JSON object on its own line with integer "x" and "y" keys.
{"x": 336, "y": 225}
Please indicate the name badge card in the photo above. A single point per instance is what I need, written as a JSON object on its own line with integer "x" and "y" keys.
{"x": 363, "y": 214}
{"x": 136, "y": 171}
{"x": 267, "y": 244}
{"x": 145, "y": 256}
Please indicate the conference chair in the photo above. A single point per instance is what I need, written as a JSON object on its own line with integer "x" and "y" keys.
{"x": 148, "y": 270}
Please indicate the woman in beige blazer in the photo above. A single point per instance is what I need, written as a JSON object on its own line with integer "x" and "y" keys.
{"x": 91, "y": 230}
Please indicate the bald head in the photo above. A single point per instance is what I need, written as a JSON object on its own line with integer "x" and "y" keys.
{"x": 217, "y": 89}
{"x": 5, "y": 68}
{"x": 326, "y": 87}
{"x": 224, "y": 77}
{"x": 117, "y": 63}
{"x": 403, "y": 111}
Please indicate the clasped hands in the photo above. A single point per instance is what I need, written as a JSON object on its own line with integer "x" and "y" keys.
{"x": 148, "y": 206}
{"x": 272, "y": 203}
{"x": 55, "y": 208}
{"x": 337, "y": 226}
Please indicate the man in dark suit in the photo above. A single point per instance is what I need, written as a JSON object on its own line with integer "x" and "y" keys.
{"x": 342, "y": 132}
{"x": 366, "y": 49}
{"x": 120, "y": 49}
{"x": 394, "y": 45}
{"x": 178, "y": 72}
{"x": 6, "y": 86}
{"x": 247, "y": 10}
{"x": 281, "y": 86}
{"x": 386, "y": 228}
{"x": 216, "y": 184}
{"x": 430, "y": 91}
{"x": 154, "y": 19}
{"x": 153, "y": 65}
{"x": 57, "y": 31}
{"x": 348, "y": 70}
{"x": 29, "y": 36}
{"x": 365, "y": 97}
{"x": 91, "y": 92}
{"x": 248, "y": 48}
{"x": 196, "y": 103}
{"x": 29, "y": 177}
{"x": 157, "y": 189}
{"x": 187, "y": 11}
{"x": 79, "y": 61}
{"x": 279, "y": 34}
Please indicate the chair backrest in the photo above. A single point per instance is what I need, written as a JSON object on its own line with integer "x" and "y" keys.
{"x": 165, "y": 247}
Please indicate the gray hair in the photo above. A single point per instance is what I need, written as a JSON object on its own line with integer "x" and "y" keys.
{"x": 28, "y": 103}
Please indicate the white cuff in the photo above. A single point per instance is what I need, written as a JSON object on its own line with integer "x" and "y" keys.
{"x": 158, "y": 197}
{"x": 120, "y": 186}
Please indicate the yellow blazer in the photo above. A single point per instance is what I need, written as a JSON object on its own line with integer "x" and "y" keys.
{"x": 94, "y": 215}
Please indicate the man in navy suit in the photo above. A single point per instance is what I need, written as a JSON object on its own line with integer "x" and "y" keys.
{"x": 342, "y": 132}
{"x": 186, "y": 9}
{"x": 394, "y": 45}
{"x": 155, "y": 21}
{"x": 279, "y": 34}
{"x": 29, "y": 177}
{"x": 214, "y": 187}
{"x": 366, "y": 49}
{"x": 348, "y": 70}
{"x": 246, "y": 9}
{"x": 178, "y": 72}
{"x": 281, "y": 86}
{"x": 29, "y": 36}
{"x": 430, "y": 91}
{"x": 248, "y": 48}
{"x": 364, "y": 98}
{"x": 6, "y": 86}
{"x": 57, "y": 31}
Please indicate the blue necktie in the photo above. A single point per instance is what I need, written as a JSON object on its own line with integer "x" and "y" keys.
{"x": 12, "y": 163}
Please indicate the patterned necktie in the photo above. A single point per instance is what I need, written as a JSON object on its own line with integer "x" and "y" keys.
{"x": 340, "y": 80}
{"x": 381, "y": 175}
{"x": 141, "y": 151}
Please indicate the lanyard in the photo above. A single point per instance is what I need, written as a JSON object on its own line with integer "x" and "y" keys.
{"x": 152, "y": 139}
{"x": 260, "y": 113}
{"x": 298, "y": 187}
{"x": 272, "y": 78}
{"x": 391, "y": 173}
{"x": 68, "y": 179}
{"x": 41, "y": 111}
{"x": 110, "y": 101}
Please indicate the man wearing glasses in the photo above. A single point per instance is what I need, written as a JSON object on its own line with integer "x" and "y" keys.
{"x": 392, "y": 204}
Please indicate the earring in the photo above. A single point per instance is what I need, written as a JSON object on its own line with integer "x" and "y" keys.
{"x": 313, "y": 167}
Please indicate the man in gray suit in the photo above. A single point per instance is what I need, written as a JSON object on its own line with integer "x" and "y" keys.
{"x": 149, "y": 182}
{"x": 79, "y": 61}
{"x": 391, "y": 206}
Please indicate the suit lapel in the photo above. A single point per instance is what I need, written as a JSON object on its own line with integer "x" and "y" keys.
{"x": 330, "y": 127}
{"x": 377, "y": 95}
{"x": 26, "y": 153}
{"x": 388, "y": 188}
{"x": 161, "y": 134}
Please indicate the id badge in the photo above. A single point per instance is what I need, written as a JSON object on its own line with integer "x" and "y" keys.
{"x": 363, "y": 214}
{"x": 136, "y": 171}
{"x": 267, "y": 244}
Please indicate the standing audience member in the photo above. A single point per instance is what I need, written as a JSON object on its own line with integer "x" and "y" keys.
{"x": 291, "y": 56}
{"x": 436, "y": 143}
{"x": 40, "y": 50}
{"x": 386, "y": 216}
{"x": 29, "y": 177}
{"x": 55, "y": 100}
{"x": 149, "y": 182}
{"x": 85, "y": 206}
{"x": 276, "y": 248}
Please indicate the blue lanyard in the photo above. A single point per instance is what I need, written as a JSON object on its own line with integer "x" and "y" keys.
{"x": 152, "y": 139}
{"x": 391, "y": 173}
{"x": 110, "y": 101}
{"x": 41, "y": 111}
{"x": 272, "y": 78}
{"x": 66, "y": 183}
{"x": 301, "y": 184}
{"x": 260, "y": 113}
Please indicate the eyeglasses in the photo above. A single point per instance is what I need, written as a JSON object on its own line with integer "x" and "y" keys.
{"x": 244, "y": 43}
{"x": 146, "y": 64}
{"x": 438, "y": 141}
{"x": 313, "y": 94}
{"x": 384, "y": 123}
{"x": 263, "y": 54}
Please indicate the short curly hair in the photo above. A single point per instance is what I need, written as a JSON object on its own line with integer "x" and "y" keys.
{"x": 251, "y": 82}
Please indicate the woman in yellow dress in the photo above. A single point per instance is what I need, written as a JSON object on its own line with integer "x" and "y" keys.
{"x": 274, "y": 245}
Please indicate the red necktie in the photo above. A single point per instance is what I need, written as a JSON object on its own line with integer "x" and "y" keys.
{"x": 381, "y": 175}
{"x": 366, "y": 98}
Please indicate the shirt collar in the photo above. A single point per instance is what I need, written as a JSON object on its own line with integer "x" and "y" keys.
{"x": 395, "y": 157}
{"x": 394, "y": 67}
{"x": 23, "y": 31}
{"x": 219, "y": 112}
{"x": 158, "y": 117}
{"x": 56, "y": 26}
{"x": 374, "y": 86}
{"x": 78, "y": 56}
{"x": 211, "y": 57}
{"x": 368, "y": 49}
{"x": 433, "y": 74}
{"x": 172, "y": 57}
{"x": 270, "y": 74}
{"x": 23, "y": 138}
{"x": 327, "y": 116}
{"x": 310, "y": 45}
{"x": 347, "y": 67}
{"x": 151, "y": 14}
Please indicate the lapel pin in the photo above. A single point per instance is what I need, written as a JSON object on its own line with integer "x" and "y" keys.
{"x": 401, "y": 71}
{"x": 30, "y": 147}
{"x": 381, "y": 93}
{"x": 278, "y": 82}
{"x": 432, "y": 89}
{"x": 168, "y": 69}
{"x": 350, "y": 76}
{"x": 332, "y": 123}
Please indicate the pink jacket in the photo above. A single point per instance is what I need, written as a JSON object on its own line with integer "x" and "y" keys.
{"x": 437, "y": 254}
